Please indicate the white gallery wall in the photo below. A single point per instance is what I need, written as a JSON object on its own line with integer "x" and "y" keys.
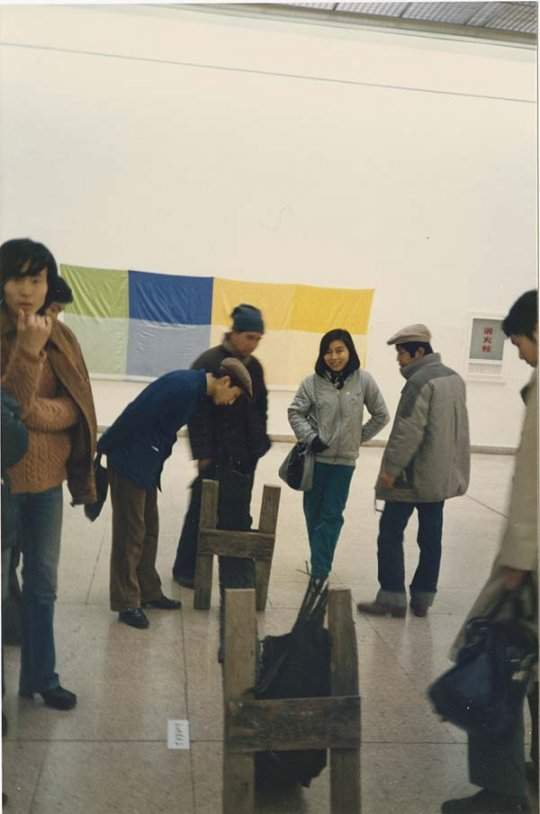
{"x": 266, "y": 147}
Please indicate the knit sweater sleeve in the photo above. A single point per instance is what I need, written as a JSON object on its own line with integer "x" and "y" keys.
{"x": 22, "y": 376}
{"x": 52, "y": 415}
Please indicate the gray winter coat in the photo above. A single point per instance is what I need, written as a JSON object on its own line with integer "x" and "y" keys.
{"x": 319, "y": 408}
{"x": 519, "y": 544}
{"x": 428, "y": 450}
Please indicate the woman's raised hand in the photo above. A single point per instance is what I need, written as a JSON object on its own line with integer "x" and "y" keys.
{"x": 33, "y": 332}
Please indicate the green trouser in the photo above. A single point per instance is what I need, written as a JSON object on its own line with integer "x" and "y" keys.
{"x": 324, "y": 505}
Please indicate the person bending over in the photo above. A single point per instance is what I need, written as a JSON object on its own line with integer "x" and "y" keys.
{"x": 136, "y": 446}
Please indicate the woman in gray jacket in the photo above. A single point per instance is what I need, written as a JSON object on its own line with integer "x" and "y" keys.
{"x": 326, "y": 415}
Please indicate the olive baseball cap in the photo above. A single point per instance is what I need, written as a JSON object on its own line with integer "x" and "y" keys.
{"x": 238, "y": 374}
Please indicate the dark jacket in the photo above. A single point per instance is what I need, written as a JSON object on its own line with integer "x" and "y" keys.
{"x": 142, "y": 437}
{"x": 14, "y": 445}
{"x": 236, "y": 436}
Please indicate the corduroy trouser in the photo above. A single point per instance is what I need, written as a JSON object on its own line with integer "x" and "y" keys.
{"x": 135, "y": 530}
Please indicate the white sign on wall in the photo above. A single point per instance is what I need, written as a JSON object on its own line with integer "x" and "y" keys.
{"x": 487, "y": 340}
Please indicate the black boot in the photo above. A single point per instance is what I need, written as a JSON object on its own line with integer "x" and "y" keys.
{"x": 487, "y": 802}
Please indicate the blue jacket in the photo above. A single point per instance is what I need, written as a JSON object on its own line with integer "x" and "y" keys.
{"x": 142, "y": 437}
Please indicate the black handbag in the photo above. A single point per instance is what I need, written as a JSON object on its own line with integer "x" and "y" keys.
{"x": 297, "y": 468}
{"x": 484, "y": 692}
{"x": 296, "y": 665}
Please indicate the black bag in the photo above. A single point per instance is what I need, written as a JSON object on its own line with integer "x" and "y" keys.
{"x": 93, "y": 510}
{"x": 296, "y": 665}
{"x": 297, "y": 468}
{"x": 484, "y": 692}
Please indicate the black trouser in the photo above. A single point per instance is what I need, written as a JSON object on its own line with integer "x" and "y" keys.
{"x": 390, "y": 547}
{"x": 233, "y": 514}
{"x": 498, "y": 764}
{"x": 533, "y": 708}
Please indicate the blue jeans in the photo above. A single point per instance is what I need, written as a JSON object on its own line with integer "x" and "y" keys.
{"x": 391, "y": 574}
{"x": 324, "y": 505}
{"x": 39, "y": 526}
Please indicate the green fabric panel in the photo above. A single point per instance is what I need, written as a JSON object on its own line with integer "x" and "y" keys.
{"x": 100, "y": 293}
{"x": 103, "y": 342}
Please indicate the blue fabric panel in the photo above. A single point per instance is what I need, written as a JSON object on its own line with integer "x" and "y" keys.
{"x": 155, "y": 348}
{"x": 170, "y": 298}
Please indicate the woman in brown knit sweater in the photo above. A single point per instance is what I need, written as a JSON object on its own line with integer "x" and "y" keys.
{"x": 42, "y": 366}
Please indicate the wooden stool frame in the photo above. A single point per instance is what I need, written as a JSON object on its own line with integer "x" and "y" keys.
{"x": 257, "y": 545}
{"x": 289, "y": 724}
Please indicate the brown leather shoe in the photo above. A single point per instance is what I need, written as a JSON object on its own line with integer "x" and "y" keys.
{"x": 381, "y": 609}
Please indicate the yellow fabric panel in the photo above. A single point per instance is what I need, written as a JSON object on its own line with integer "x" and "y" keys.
{"x": 276, "y": 301}
{"x": 295, "y": 307}
{"x": 321, "y": 309}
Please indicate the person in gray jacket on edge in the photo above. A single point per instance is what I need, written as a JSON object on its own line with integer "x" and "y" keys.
{"x": 426, "y": 461}
{"x": 326, "y": 415}
{"x": 497, "y": 763}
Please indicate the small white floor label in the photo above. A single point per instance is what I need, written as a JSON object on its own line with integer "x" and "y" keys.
{"x": 178, "y": 734}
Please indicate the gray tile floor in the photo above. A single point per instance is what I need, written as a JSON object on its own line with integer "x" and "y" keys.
{"x": 110, "y": 754}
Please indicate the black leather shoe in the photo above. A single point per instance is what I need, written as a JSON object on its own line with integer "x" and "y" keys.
{"x": 57, "y": 698}
{"x": 419, "y": 609}
{"x": 135, "y": 617}
{"x": 487, "y": 802}
{"x": 163, "y": 603}
{"x": 184, "y": 581}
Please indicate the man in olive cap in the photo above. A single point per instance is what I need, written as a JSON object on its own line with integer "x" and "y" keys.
{"x": 426, "y": 461}
{"x": 137, "y": 445}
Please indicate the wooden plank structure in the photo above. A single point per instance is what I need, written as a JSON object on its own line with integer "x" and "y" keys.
{"x": 289, "y": 724}
{"x": 257, "y": 545}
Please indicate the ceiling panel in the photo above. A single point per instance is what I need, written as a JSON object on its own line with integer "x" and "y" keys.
{"x": 380, "y": 9}
{"x": 508, "y": 16}
{"x": 454, "y": 13}
{"x": 504, "y": 16}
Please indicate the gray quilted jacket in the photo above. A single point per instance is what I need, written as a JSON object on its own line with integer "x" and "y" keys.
{"x": 319, "y": 408}
{"x": 428, "y": 450}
